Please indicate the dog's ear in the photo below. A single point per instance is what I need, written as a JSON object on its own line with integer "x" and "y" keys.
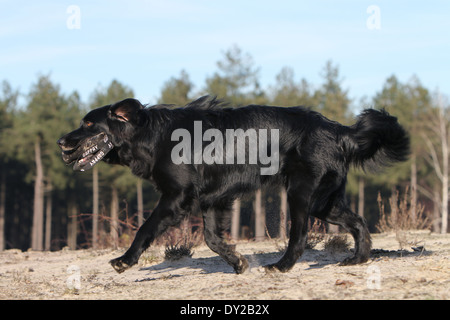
{"x": 125, "y": 110}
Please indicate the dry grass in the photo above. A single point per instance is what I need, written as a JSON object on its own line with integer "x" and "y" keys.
{"x": 184, "y": 235}
{"x": 316, "y": 234}
{"x": 404, "y": 214}
{"x": 176, "y": 252}
{"x": 337, "y": 243}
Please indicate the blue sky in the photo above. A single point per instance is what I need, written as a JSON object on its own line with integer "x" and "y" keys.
{"x": 144, "y": 43}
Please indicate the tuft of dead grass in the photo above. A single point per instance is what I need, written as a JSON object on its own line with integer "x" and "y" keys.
{"x": 316, "y": 234}
{"x": 404, "y": 214}
{"x": 337, "y": 243}
{"x": 176, "y": 252}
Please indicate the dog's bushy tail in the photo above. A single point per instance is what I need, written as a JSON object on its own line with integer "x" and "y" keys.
{"x": 377, "y": 139}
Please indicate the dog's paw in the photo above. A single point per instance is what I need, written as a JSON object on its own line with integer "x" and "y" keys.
{"x": 276, "y": 267}
{"x": 270, "y": 268}
{"x": 242, "y": 267}
{"x": 119, "y": 265}
{"x": 350, "y": 261}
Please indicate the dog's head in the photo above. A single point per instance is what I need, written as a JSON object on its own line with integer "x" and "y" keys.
{"x": 101, "y": 134}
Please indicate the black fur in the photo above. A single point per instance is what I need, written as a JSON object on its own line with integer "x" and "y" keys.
{"x": 314, "y": 158}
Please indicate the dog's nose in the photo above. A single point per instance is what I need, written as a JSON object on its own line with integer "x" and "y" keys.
{"x": 60, "y": 142}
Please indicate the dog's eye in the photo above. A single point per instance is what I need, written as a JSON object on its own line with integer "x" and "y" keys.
{"x": 88, "y": 124}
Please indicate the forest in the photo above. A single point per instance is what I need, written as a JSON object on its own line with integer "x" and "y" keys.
{"x": 45, "y": 205}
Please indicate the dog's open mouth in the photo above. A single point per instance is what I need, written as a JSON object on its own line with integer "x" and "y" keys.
{"x": 89, "y": 153}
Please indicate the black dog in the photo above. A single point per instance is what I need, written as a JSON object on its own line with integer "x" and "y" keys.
{"x": 307, "y": 154}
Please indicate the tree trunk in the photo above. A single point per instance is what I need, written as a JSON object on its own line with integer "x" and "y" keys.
{"x": 236, "y": 219}
{"x": 283, "y": 214}
{"x": 361, "y": 196}
{"x": 140, "y": 203}
{"x": 414, "y": 189}
{"x": 95, "y": 207}
{"x": 72, "y": 225}
{"x": 445, "y": 202}
{"x": 444, "y": 130}
{"x": 436, "y": 209}
{"x": 48, "y": 218}
{"x": 440, "y": 130}
{"x": 114, "y": 217}
{"x": 2, "y": 208}
{"x": 38, "y": 206}
{"x": 260, "y": 220}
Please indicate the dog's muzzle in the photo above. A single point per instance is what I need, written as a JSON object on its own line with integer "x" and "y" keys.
{"x": 89, "y": 152}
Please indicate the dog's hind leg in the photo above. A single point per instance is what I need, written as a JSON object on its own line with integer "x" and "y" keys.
{"x": 298, "y": 233}
{"x": 356, "y": 225}
{"x": 328, "y": 203}
{"x": 215, "y": 223}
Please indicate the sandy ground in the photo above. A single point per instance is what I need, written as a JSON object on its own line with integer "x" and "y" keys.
{"x": 85, "y": 274}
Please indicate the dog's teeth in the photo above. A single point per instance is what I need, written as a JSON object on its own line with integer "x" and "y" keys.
{"x": 97, "y": 158}
{"x": 90, "y": 150}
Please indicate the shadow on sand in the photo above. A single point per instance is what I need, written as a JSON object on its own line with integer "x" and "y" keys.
{"x": 315, "y": 258}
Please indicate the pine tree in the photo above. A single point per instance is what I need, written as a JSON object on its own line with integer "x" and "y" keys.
{"x": 46, "y": 118}
{"x": 177, "y": 90}
{"x": 287, "y": 92}
{"x": 331, "y": 100}
{"x": 8, "y": 103}
{"x": 237, "y": 79}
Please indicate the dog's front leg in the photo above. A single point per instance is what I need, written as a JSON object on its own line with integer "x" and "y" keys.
{"x": 215, "y": 221}
{"x": 167, "y": 213}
